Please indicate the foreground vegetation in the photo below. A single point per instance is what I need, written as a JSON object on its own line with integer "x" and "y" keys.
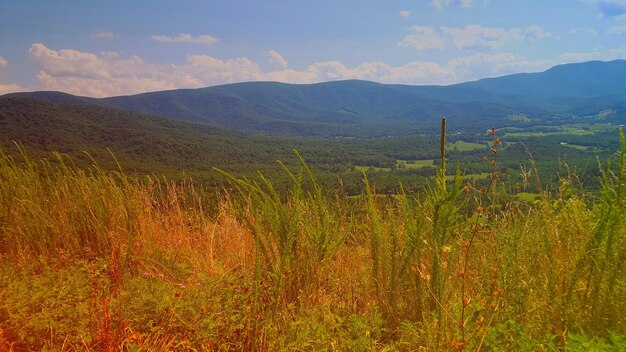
{"x": 97, "y": 260}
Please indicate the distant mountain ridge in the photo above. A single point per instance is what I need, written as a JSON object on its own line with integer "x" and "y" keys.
{"x": 579, "y": 80}
{"x": 354, "y": 107}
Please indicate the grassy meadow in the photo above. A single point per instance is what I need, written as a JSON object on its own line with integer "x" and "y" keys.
{"x": 94, "y": 260}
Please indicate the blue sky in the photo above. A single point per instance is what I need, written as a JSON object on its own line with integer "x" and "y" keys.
{"x": 105, "y": 48}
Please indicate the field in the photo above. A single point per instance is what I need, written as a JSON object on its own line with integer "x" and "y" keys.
{"x": 415, "y": 164}
{"x": 97, "y": 260}
{"x": 371, "y": 168}
{"x": 563, "y": 130}
{"x": 462, "y": 146}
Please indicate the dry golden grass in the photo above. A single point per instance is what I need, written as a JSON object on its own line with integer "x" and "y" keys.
{"x": 95, "y": 260}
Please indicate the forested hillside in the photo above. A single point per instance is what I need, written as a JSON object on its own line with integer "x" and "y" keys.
{"x": 572, "y": 93}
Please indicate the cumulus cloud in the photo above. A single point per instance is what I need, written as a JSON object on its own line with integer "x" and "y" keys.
{"x": 411, "y": 73}
{"x": 471, "y": 37}
{"x": 404, "y": 13}
{"x": 186, "y": 38}
{"x": 69, "y": 62}
{"x": 478, "y": 37}
{"x": 416, "y": 72}
{"x": 423, "y": 38}
{"x": 101, "y": 35}
{"x": 276, "y": 59}
{"x": 485, "y": 65}
{"x": 109, "y": 74}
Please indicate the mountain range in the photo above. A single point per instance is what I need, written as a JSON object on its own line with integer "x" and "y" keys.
{"x": 362, "y": 108}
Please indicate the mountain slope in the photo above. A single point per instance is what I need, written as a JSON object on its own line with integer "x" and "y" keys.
{"x": 580, "y": 80}
{"x": 345, "y": 107}
{"x": 351, "y": 108}
{"x": 151, "y": 144}
{"x": 142, "y": 143}
{"x": 361, "y": 108}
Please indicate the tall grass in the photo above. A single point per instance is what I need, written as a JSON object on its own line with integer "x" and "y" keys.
{"x": 600, "y": 266}
{"x": 95, "y": 260}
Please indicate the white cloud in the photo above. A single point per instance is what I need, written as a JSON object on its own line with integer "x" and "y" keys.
{"x": 616, "y": 30}
{"x": 101, "y": 35}
{"x": 276, "y": 59}
{"x": 456, "y": 70}
{"x": 69, "y": 62}
{"x": 471, "y": 37}
{"x": 186, "y": 38}
{"x": 108, "y": 74}
{"x": 584, "y": 30}
{"x": 89, "y": 74}
{"x": 105, "y": 74}
{"x": 477, "y": 37}
{"x": 485, "y": 65}
{"x": 423, "y": 38}
{"x": 418, "y": 72}
{"x": 404, "y": 13}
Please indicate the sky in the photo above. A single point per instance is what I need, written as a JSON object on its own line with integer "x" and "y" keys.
{"x": 109, "y": 48}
